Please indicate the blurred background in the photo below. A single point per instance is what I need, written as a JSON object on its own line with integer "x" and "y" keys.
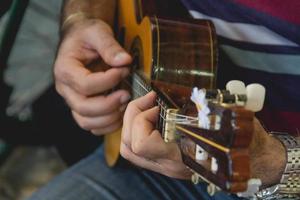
{"x": 38, "y": 137}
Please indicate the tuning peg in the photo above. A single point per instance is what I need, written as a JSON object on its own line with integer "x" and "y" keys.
{"x": 214, "y": 165}
{"x": 236, "y": 87}
{"x": 255, "y": 97}
{"x": 201, "y": 154}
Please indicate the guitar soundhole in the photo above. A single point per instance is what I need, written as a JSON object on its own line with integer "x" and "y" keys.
{"x": 137, "y": 54}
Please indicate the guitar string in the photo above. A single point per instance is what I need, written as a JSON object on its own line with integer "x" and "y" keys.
{"x": 146, "y": 90}
{"x": 178, "y": 118}
{"x": 183, "y": 117}
{"x": 158, "y": 102}
{"x": 184, "y": 122}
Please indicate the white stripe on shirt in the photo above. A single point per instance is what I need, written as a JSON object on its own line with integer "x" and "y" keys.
{"x": 273, "y": 63}
{"x": 245, "y": 32}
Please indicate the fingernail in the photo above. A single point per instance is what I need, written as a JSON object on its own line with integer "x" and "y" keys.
{"x": 120, "y": 56}
{"x": 125, "y": 98}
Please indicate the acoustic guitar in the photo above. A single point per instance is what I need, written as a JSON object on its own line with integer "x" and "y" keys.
{"x": 172, "y": 53}
{"x": 164, "y": 49}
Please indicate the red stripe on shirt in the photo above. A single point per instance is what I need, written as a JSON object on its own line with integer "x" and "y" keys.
{"x": 286, "y": 10}
{"x": 280, "y": 121}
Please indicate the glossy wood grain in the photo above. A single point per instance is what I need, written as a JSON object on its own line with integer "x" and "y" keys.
{"x": 173, "y": 53}
{"x": 232, "y": 141}
{"x": 166, "y": 45}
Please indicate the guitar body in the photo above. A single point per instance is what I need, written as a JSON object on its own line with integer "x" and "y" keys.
{"x": 167, "y": 46}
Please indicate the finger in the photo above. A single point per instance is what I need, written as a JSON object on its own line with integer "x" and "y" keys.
{"x": 147, "y": 142}
{"x": 98, "y": 36}
{"x": 142, "y": 127}
{"x": 73, "y": 47}
{"x": 96, "y": 105}
{"x": 165, "y": 167}
{"x": 134, "y": 108}
{"x": 109, "y": 129}
{"x": 102, "y": 39}
{"x": 74, "y": 74}
{"x": 150, "y": 144}
{"x": 90, "y": 123}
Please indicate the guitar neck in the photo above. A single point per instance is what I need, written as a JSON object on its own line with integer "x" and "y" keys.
{"x": 140, "y": 87}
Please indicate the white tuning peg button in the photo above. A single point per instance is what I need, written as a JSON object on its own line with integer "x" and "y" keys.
{"x": 255, "y": 97}
{"x": 236, "y": 87}
{"x": 214, "y": 165}
{"x": 201, "y": 154}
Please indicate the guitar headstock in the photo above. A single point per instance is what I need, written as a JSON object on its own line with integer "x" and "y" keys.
{"x": 214, "y": 131}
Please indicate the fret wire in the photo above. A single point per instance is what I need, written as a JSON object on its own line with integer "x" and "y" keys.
{"x": 183, "y": 119}
{"x": 162, "y": 107}
{"x": 157, "y": 100}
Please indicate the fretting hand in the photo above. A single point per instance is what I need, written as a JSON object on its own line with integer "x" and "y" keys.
{"x": 143, "y": 145}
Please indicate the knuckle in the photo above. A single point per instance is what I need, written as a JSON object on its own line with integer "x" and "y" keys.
{"x": 83, "y": 87}
{"x": 80, "y": 108}
{"x": 84, "y": 124}
{"x": 131, "y": 106}
{"x": 116, "y": 76}
{"x": 109, "y": 129}
{"x": 137, "y": 148}
{"x": 60, "y": 72}
{"x": 111, "y": 78}
{"x": 112, "y": 103}
{"x": 113, "y": 117}
{"x": 58, "y": 89}
{"x": 124, "y": 152}
{"x": 97, "y": 132}
{"x": 117, "y": 125}
{"x": 139, "y": 120}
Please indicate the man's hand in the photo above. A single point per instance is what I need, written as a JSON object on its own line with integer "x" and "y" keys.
{"x": 86, "y": 91}
{"x": 143, "y": 145}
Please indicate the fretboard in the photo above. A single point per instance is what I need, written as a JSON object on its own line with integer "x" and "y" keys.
{"x": 140, "y": 87}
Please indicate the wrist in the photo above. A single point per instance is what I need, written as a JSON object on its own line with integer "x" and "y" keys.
{"x": 270, "y": 158}
{"x": 73, "y": 19}
{"x": 78, "y": 11}
{"x": 277, "y": 162}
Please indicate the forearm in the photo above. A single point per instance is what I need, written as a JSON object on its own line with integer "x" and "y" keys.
{"x": 76, "y": 11}
{"x": 98, "y": 9}
{"x": 268, "y": 160}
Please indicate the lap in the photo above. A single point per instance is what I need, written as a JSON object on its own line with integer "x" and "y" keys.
{"x": 92, "y": 179}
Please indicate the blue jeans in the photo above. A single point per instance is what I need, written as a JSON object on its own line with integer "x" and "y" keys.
{"x": 91, "y": 179}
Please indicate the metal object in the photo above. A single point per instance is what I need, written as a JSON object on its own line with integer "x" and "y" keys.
{"x": 289, "y": 186}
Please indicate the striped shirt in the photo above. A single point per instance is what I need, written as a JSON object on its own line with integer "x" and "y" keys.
{"x": 259, "y": 42}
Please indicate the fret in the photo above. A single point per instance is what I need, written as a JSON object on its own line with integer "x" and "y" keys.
{"x": 163, "y": 124}
{"x": 140, "y": 88}
{"x": 160, "y": 118}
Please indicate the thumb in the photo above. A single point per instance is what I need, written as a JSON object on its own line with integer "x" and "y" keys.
{"x": 145, "y": 102}
{"x": 107, "y": 46}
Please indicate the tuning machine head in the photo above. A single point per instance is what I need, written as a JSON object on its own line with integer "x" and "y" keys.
{"x": 253, "y": 95}
{"x": 236, "y": 87}
{"x": 256, "y": 97}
